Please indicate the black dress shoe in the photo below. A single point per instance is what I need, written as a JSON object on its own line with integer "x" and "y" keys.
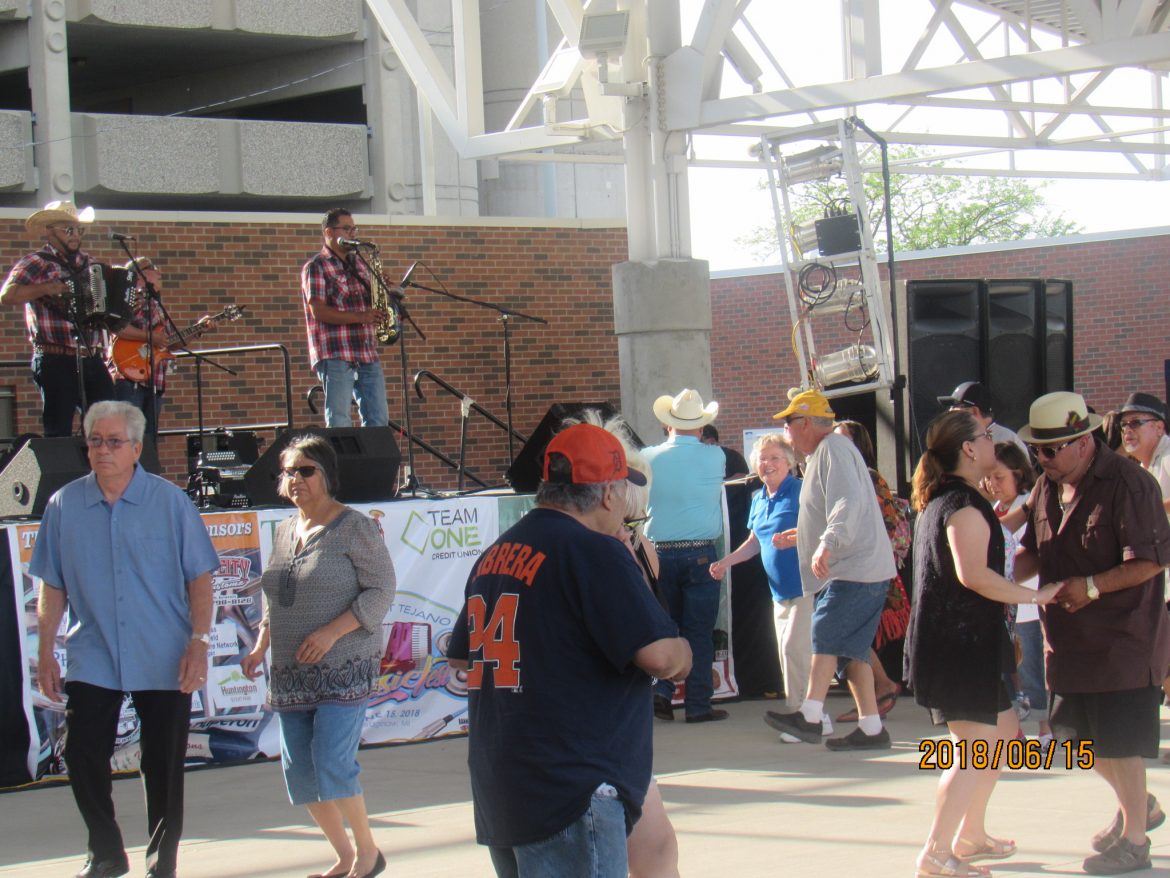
{"x": 104, "y": 869}
{"x": 379, "y": 867}
{"x": 152, "y": 872}
{"x": 663, "y": 708}
{"x": 713, "y": 715}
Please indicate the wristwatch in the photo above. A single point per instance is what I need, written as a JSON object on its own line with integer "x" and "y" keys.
{"x": 205, "y": 637}
{"x": 1091, "y": 589}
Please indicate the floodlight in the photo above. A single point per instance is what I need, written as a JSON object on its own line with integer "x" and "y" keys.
{"x": 815, "y": 164}
{"x": 855, "y": 363}
{"x": 603, "y": 33}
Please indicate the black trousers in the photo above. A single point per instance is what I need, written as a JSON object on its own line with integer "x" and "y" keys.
{"x": 91, "y": 717}
{"x": 56, "y": 376}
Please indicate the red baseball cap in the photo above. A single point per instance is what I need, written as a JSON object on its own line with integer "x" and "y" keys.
{"x": 594, "y": 455}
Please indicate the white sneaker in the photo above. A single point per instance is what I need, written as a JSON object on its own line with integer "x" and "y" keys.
{"x": 1044, "y": 740}
{"x": 786, "y": 738}
{"x": 826, "y": 725}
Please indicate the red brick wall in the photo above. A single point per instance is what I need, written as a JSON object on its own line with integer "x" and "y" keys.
{"x": 1121, "y": 322}
{"x": 562, "y": 275}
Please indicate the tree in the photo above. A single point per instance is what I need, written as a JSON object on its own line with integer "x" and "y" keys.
{"x": 932, "y": 211}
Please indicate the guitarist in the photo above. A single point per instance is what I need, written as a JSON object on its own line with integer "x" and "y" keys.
{"x": 138, "y": 393}
{"x": 38, "y": 281}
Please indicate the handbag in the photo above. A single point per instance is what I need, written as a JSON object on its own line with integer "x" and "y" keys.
{"x": 895, "y": 617}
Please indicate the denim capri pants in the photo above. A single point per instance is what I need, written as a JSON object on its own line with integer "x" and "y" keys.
{"x": 318, "y": 751}
{"x": 846, "y": 618}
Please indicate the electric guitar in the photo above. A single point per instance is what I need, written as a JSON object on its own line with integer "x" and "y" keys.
{"x": 131, "y": 357}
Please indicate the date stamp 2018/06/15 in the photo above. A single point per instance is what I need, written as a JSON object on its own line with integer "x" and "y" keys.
{"x": 1032, "y": 755}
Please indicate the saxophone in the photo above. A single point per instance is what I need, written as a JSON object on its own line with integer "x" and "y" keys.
{"x": 387, "y": 328}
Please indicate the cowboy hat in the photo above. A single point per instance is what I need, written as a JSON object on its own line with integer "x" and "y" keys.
{"x": 1058, "y": 417}
{"x": 685, "y": 411}
{"x": 58, "y": 212}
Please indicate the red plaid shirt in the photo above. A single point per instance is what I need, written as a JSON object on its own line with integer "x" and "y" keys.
{"x": 325, "y": 278}
{"x": 47, "y": 319}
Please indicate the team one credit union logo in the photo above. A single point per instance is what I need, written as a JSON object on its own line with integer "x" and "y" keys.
{"x": 452, "y": 532}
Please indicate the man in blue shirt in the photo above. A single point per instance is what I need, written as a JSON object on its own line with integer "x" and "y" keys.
{"x": 557, "y": 634}
{"x": 686, "y": 517}
{"x": 127, "y": 553}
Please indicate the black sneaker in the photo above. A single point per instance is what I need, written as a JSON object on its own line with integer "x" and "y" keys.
{"x": 859, "y": 740}
{"x": 794, "y": 724}
{"x": 1124, "y": 856}
{"x": 663, "y": 708}
{"x": 712, "y": 715}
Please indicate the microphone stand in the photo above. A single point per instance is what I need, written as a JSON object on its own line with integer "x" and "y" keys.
{"x": 505, "y": 319}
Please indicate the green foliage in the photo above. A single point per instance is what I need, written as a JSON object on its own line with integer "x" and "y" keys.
{"x": 932, "y": 211}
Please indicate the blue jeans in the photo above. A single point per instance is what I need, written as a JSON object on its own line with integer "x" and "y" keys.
{"x": 137, "y": 396}
{"x": 345, "y": 382}
{"x": 318, "y": 752}
{"x": 692, "y": 599}
{"x": 593, "y": 846}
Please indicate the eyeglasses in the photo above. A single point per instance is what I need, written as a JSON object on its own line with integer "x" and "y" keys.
{"x": 986, "y": 434}
{"x": 1136, "y": 423}
{"x": 305, "y": 472}
{"x": 349, "y": 230}
{"x": 70, "y": 230}
{"x": 1050, "y": 451}
{"x": 111, "y": 442}
{"x": 635, "y": 523}
{"x": 788, "y": 422}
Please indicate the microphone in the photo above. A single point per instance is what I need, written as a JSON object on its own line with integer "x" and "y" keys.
{"x": 351, "y": 242}
{"x": 406, "y": 277}
{"x": 118, "y": 236}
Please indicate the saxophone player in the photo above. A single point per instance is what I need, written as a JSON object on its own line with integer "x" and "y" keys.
{"x": 340, "y": 320}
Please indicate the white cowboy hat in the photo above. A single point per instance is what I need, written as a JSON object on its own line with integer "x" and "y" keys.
{"x": 58, "y": 212}
{"x": 685, "y": 411}
{"x": 1058, "y": 417}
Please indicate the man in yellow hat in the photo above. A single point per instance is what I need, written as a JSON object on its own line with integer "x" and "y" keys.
{"x": 1096, "y": 523}
{"x": 41, "y": 281}
{"x": 847, "y": 562}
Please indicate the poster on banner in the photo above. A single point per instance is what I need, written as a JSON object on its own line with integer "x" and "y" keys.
{"x": 434, "y": 545}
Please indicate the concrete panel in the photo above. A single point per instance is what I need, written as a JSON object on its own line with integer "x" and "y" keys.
{"x": 148, "y": 154}
{"x": 662, "y": 318}
{"x": 307, "y": 18}
{"x": 11, "y": 9}
{"x": 147, "y": 13}
{"x": 303, "y": 159}
{"x": 16, "y": 152}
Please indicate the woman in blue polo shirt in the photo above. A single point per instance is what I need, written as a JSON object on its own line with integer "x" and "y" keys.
{"x": 774, "y": 509}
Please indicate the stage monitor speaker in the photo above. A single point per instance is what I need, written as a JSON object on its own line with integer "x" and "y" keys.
{"x": 525, "y": 472}
{"x": 1058, "y": 335}
{"x": 944, "y": 343}
{"x": 367, "y": 462}
{"x": 38, "y": 469}
{"x": 1013, "y": 349}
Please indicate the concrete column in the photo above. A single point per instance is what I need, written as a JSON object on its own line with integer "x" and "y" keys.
{"x": 662, "y": 317}
{"x": 48, "y": 78}
{"x": 391, "y": 118}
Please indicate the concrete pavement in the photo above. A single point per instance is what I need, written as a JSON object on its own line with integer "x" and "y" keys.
{"x": 743, "y": 804}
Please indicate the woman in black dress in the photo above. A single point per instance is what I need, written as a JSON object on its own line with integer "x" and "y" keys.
{"x": 957, "y": 646}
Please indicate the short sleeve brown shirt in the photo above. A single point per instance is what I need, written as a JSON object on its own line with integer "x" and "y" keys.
{"x": 1122, "y": 640}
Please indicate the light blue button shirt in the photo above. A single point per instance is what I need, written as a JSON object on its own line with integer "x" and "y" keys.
{"x": 685, "y": 495}
{"x": 125, "y": 570}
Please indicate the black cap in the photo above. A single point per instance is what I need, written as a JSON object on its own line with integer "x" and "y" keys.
{"x": 1145, "y": 402}
{"x": 967, "y": 394}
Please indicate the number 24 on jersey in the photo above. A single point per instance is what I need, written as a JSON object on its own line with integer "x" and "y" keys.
{"x": 492, "y": 644}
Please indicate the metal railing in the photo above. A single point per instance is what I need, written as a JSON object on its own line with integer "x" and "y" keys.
{"x": 243, "y": 349}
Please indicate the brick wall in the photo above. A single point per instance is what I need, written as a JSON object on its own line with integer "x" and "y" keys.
{"x": 1121, "y": 321}
{"x": 562, "y": 275}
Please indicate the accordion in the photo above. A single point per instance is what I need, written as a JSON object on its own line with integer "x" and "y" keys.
{"x": 103, "y": 297}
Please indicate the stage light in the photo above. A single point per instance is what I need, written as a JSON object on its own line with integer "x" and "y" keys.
{"x": 815, "y": 164}
{"x": 855, "y": 363}
{"x": 804, "y": 237}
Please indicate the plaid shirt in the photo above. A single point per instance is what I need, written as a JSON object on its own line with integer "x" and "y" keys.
{"x": 326, "y": 278}
{"x": 47, "y": 319}
{"x": 161, "y": 366}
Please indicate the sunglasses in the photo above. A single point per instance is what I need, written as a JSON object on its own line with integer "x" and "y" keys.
{"x": 1048, "y": 452}
{"x": 305, "y": 472}
{"x": 70, "y": 230}
{"x": 1136, "y": 423}
{"x": 635, "y": 523}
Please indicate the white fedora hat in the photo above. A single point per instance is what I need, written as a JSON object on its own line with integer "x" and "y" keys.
{"x": 685, "y": 411}
{"x": 58, "y": 212}
{"x": 1058, "y": 417}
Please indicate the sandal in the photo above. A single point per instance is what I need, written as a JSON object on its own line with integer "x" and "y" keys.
{"x": 1108, "y": 836}
{"x": 991, "y": 849}
{"x": 1124, "y": 856}
{"x": 951, "y": 867}
{"x": 884, "y": 704}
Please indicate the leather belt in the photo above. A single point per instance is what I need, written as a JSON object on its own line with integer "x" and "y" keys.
{"x": 58, "y": 350}
{"x": 683, "y": 544}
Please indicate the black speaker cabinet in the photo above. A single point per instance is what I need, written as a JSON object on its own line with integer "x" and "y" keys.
{"x": 367, "y": 459}
{"x": 37, "y": 471}
{"x": 1014, "y": 372}
{"x": 525, "y": 472}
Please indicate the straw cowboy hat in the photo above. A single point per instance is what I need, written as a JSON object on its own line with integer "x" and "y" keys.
{"x": 58, "y": 212}
{"x": 1058, "y": 417}
{"x": 685, "y": 411}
